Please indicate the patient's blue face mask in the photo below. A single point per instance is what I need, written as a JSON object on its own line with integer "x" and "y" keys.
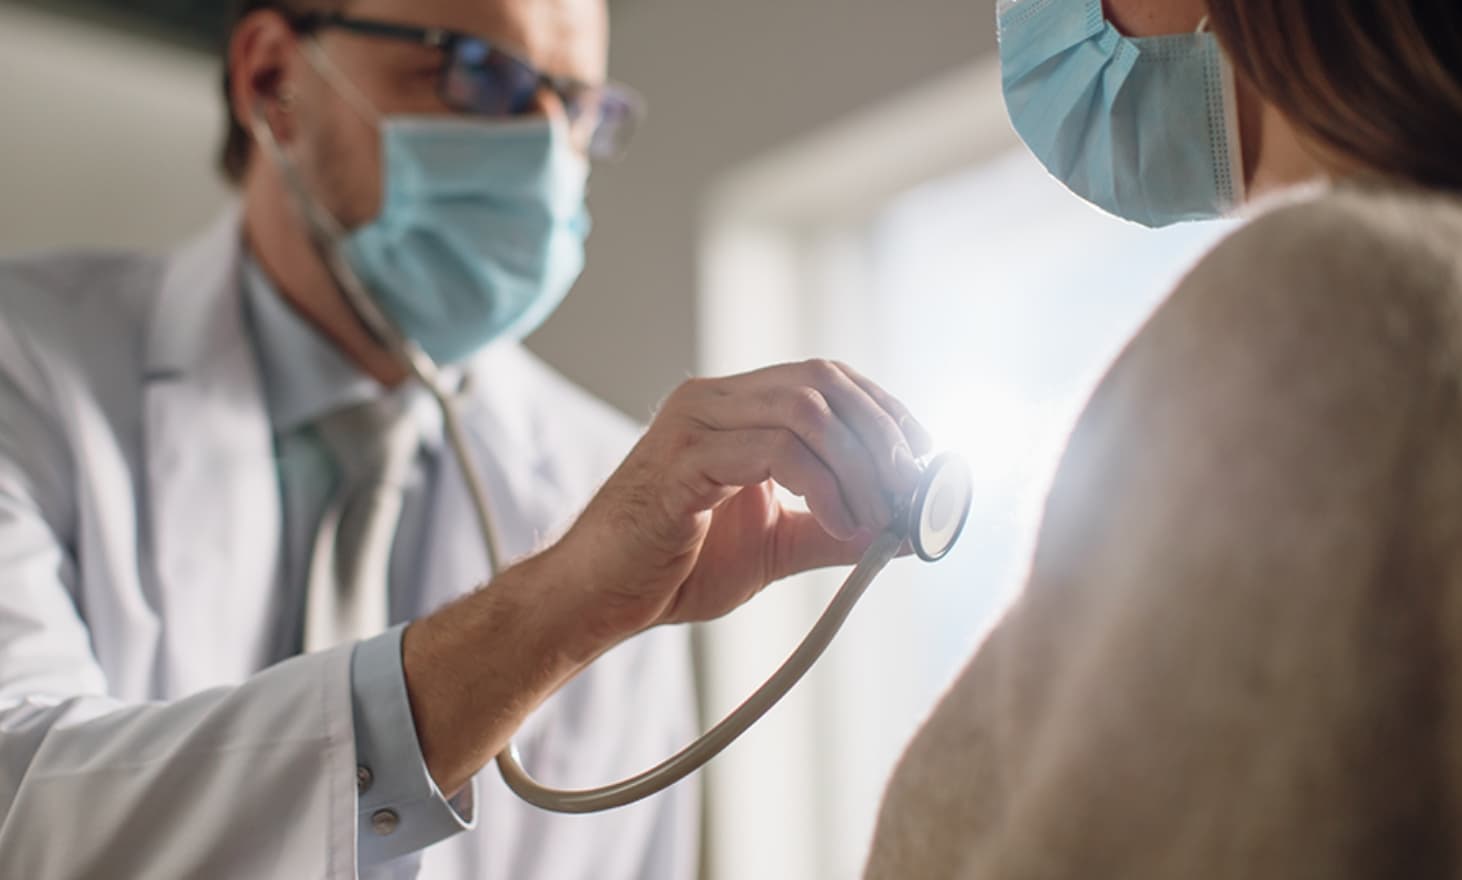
{"x": 482, "y": 226}
{"x": 1145, "y": 128}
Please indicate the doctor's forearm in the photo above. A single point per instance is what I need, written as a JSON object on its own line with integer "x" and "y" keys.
{"x": 477, "y": 669}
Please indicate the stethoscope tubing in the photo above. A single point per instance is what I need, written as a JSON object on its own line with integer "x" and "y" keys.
{"x": 718, "y": 738}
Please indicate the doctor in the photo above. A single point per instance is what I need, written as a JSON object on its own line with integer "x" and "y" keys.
{"x": 240, "y": 629}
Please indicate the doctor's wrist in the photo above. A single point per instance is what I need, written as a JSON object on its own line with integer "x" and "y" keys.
{"x": 572, "y": 627}
{"x": 476, "y": 669}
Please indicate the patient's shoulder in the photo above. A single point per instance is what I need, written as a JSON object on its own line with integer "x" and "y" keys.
{"x": 1303, "y": 355}
{"x": 1378, "y": 249}
{"x": 1332, "y": 287}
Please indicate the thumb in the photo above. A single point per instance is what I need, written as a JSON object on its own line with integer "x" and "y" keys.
{"x": 802, "y": 544}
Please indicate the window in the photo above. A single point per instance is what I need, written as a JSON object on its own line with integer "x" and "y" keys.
{"x": 991, "y": 300}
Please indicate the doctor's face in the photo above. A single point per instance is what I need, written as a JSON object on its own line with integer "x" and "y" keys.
{"x": 339, "y": 146}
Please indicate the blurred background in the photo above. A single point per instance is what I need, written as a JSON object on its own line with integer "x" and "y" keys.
{"x": 819, "y": 177}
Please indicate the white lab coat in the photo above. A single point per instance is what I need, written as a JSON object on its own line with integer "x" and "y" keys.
{"x": 139, "y": 531}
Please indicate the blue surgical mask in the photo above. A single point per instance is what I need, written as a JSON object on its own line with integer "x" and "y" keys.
{"x": 482, "y": 226}
{"x": 1144, "y": 128}
{"x": 481, "y": 231}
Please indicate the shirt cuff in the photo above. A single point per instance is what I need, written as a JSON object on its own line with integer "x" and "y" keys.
{"x": 400, "y": 810}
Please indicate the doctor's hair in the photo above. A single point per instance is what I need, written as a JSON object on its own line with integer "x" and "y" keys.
{"x": 238, "y": 142}
{"x": 1376, "y": 82}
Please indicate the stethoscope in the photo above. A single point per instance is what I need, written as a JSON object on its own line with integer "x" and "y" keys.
{"x": 930, "y": 522}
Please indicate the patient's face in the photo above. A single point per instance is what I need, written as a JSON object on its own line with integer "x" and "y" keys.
{"x": 1150, "y": 18}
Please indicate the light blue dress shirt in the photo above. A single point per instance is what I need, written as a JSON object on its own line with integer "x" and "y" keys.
{"x": 401, "y": 810}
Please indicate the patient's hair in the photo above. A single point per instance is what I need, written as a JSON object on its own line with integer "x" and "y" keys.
{"x": 1378, "y": 82}
{"x": 238, "y": 143}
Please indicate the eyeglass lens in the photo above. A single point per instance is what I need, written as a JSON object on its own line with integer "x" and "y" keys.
{"x": 480, "y": 79}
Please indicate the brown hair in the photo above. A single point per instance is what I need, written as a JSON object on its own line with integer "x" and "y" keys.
{"x": 238, "y": 143}
{"x": 1379, "y": 82}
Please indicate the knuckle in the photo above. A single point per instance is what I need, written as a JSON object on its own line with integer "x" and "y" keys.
{"x": 682, "y": 441}
{"x": 670, "y": 435}
{"x": 806, "y": 410}
{"x": 822, "y": 372}
{"x": 685, "y": 391}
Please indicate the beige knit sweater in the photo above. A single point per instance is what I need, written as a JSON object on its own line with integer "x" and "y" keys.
{"x": 1239, "y": 652}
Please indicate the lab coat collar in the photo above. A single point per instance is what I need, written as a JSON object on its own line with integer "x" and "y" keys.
{"x": 188, "y": 323}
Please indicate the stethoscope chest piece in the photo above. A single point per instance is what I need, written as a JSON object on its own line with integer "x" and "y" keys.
{"x": 941, "y": 507}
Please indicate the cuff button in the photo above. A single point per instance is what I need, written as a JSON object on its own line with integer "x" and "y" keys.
{"x": 383, "y": 822}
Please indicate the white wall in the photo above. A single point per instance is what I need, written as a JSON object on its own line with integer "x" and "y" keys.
{"x": 104, "y": 139}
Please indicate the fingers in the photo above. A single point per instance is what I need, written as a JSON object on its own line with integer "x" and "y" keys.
{"x": 914, "y": 431}
{"x": 751, "y": 457}
{"x": 875, "y": 427}
{"x": 732, "y": 406}
{"x": 852, "y": 424}
{"x": 803, "y": 545}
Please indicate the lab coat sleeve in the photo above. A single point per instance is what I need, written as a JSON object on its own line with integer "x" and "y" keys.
{"x": 256, "y": 780}
{"x": 397, "y": 792}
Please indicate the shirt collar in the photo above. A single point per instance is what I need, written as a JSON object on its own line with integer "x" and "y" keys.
{"x": 306, "y": 377}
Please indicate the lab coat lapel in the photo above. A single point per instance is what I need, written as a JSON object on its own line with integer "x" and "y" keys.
{"x": 213, "y": 489}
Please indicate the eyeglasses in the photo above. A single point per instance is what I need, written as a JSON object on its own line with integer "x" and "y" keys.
{"x": 485, "y": 80}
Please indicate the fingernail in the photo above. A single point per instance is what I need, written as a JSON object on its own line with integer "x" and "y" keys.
{"x": 907, "y": 468}
{"x": 918, "y": 435}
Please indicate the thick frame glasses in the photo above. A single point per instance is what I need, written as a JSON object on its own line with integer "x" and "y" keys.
{"x": 482, "y": 79}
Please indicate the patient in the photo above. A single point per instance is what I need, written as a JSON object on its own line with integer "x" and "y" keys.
{"x": 1239, "y": 652}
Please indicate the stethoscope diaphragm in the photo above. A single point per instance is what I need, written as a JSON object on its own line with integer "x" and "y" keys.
{"x": 941, "y": 507}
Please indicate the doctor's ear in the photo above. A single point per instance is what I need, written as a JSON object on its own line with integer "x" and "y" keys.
{"x": 263, "y": 60}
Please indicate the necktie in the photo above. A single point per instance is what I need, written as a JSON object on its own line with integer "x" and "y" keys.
{"x": 373, "y": 445}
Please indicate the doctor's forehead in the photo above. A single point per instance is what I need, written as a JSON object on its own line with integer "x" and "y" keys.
{"x": 566, "y": 37}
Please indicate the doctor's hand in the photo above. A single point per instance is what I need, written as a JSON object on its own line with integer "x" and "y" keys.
{"x": 687, "y": 529}
{"x": 690, "y": 526}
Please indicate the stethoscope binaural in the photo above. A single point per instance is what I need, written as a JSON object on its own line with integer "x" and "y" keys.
{"x": 931, "y": 522}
